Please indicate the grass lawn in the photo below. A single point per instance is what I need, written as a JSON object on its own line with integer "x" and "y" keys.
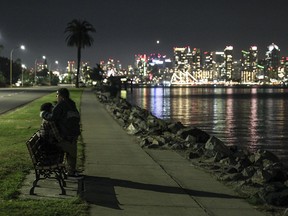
{"x": 16, "y": 128}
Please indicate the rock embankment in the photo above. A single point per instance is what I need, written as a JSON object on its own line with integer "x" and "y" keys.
{"x": 258, "y": 176}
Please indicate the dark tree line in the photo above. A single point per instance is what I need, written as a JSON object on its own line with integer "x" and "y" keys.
{"x": 5, "y": 71}
{"x": 96, "y": 73}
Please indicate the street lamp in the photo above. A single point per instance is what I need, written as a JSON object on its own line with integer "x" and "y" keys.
{"x": 11, "y": 61}
{"x": 23, "y": 68}
{"x": 35, "y": 71}
{"x": 50, "y": 65}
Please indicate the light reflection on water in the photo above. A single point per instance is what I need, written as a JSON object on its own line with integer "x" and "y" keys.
{"x": 254, "y": 118}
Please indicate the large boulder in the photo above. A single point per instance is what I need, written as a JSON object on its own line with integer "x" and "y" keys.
{"x": 175, "y": 127}
{"x": 277, "y": 172}
{"x": 248, "y": 172}
{"x": 138, "y": 112}
{"x": 140, "y": 123}
{"x": 152, "y": 141}
{"x": 260, "y": 155}
{"x": 154, "y": 122}
{"x": 261, "y": 177}
{"x": 132, "y": 129}
{"x": 199, "y": 135}
{"x": 216, "y": 147}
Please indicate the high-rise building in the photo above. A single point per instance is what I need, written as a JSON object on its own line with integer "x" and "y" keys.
{"x": 253, "y": 52}
{"x": 284, "y": 66}
{"x": 208, "y": 66}
{"x": 228, "y": 61}
{"x": 249, "y": 62}
{"x": 219, "y": 64}
{"x": 196, "y": 64}
{"x": 162, "y": 61}
{"x": 261, "y": 70}
{"x": 141, "y": 64}
{"x": 272, "y": 61}
{"x": 111, "y": 67}
{"x": 85, "y": 68}
{"x": 41, "y": 64}
{"x": 153, "y": 67}
{"x": 71, "y": 67}
{"x": 182, "y": 57}
{"x": 245, "y": 65}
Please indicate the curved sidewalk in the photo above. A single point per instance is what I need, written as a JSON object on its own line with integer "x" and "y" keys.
{"x": 121, "y": 178}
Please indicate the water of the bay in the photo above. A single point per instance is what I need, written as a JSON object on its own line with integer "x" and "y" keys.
{"x": 253, "y": 118}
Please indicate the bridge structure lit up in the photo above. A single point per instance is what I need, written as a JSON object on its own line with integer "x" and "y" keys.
{"x": 182, "y": 77}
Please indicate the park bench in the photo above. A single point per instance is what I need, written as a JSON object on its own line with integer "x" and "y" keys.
{"x": 47, "y": 164}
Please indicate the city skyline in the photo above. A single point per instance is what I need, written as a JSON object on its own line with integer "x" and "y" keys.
{"x": 126, "y": 28}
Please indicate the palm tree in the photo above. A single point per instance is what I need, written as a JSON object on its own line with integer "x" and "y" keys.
{"x": 78, "y": 36}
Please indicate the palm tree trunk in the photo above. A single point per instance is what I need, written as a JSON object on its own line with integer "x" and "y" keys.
{"x": 78, "y": 66}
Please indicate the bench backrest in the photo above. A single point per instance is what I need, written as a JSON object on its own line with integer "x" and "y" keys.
{"x": 33, "y": 148}
{"x": 39, "y": 156}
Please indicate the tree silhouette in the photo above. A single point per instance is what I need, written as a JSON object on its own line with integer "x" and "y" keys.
{"x": 78, "y": 36}
{"x": 97, "y": 73}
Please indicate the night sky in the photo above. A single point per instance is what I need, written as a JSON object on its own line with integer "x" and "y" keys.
{"x": 128, "y": 27}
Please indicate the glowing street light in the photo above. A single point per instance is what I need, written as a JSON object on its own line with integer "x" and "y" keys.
{"x": 23, "y": 68}
{"x": 50, "y": 65}
{"x": 11, "y": 61}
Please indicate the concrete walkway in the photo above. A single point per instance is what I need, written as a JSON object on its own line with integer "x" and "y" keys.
{"x": 121, "y": 178}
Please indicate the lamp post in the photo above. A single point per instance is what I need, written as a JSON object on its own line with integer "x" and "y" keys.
{"x": 11, "y": 61}
{"x": 23, "y": 68}
{"x": 35, "y": 71}
{"x": 50, "y": 65}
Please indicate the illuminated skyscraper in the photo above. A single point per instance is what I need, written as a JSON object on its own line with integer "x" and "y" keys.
{"x": 196, "y": 64}
{"x": 153, "y": 67}
{"x": 284, "y": 66}
{"x": 141, "y": 64}
{"x": 84, "y": 70}
{"x": 272, "y": 61}
{"x": 182, "y": 57}
{"x": 208, "y": 66}
{"x": 228, "y": 61}
{"x": 71, "y": 67}
{"x": 253, "y": 51}
{"x": 249, "y": 62}
{"x": 219, "y": 65}
{"x": 161, "y": 61}
{"x": 110, "y": 66}
{"x": 245, "y": 65}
